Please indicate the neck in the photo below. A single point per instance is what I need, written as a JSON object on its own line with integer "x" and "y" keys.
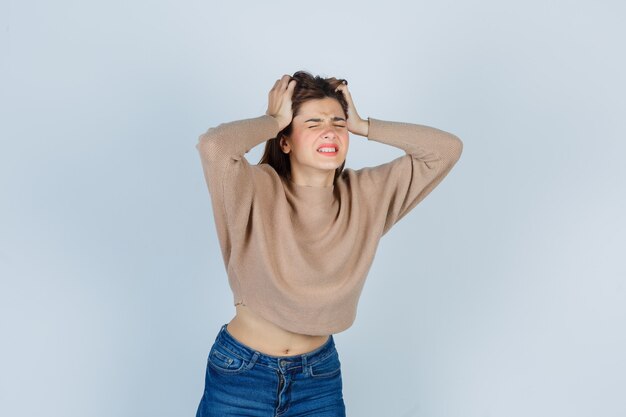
{"x": 317, "y": 179}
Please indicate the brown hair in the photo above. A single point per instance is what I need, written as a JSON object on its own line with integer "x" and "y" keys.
{"x": 308, "y": 87}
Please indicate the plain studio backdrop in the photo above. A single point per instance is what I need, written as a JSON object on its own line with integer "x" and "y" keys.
{"x": 500, "y": 295}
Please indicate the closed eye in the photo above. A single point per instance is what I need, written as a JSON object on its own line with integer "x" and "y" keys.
{"x": 310, "y": 127}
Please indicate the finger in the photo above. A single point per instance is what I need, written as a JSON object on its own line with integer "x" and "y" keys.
{"x": 274, "y": 87}
{"x": 278, "y": 83}
{"x": 342, "y": 87}
{"x": 285, "y": 80}
{"x": 345, "y": 91}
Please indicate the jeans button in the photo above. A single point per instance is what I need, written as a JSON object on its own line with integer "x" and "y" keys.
{"x": 283, "y": 362}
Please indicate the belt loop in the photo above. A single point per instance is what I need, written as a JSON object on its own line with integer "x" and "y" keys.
{"x": 305, "y": 368}
{"x": 252, "y": 360}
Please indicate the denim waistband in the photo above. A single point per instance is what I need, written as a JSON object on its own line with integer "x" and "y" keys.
{"x": 282, "y": 363}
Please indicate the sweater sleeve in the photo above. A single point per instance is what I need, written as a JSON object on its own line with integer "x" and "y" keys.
{"x": 228, "y": 173}
{"x": 399, "y": 185}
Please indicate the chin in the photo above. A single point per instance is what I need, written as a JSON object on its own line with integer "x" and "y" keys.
{"x": 331, "y": 166}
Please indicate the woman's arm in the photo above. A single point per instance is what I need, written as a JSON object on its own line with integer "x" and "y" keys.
{"x": 227, "y": 172}
{"x": 399, "y": 185}
{"x": 222, "y": 150}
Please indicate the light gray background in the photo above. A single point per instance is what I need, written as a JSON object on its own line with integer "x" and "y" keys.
{"x": 500, "y": 295}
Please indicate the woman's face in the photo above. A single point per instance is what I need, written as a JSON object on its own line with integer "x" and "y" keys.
{"x": 319, "y": 122}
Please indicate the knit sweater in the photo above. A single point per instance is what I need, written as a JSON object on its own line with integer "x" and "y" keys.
{"x": 299, "y": 255}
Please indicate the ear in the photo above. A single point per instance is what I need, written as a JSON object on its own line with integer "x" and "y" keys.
{"x": 284, "y": 144}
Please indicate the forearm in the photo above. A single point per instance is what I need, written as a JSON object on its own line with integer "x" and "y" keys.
{"x": 234, "y": 139}
{"x": 422, "y": 142}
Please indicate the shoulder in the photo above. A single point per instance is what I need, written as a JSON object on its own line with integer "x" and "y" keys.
{"x": 265, "y": 177}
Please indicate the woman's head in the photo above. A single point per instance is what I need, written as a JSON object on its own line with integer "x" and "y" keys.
{"x": 319, "y": 117}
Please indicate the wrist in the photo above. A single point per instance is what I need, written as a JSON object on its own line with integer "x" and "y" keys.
{"x": 364, "y": 127}
{"x": 281, "y": 122}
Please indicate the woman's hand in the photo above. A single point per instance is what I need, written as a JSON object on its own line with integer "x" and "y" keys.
{"x": 279, "y": 101}
{"x": 356, "y": 125}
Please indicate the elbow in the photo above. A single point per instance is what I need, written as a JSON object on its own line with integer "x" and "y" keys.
{"x": 208, "y": 144}
{"x": 459, "y": 147}
{"x": 455, "y": 147}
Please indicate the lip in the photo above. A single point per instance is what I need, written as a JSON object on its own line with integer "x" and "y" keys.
{"x": 328, "y": 145}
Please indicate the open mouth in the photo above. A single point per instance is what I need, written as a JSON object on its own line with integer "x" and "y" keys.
{"x": 328, "y": 150}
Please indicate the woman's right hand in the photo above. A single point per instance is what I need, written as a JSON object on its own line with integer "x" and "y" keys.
{"x": 279, "y": 101}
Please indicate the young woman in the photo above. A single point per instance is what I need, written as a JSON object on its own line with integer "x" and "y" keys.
{"x": 298, "y": 234}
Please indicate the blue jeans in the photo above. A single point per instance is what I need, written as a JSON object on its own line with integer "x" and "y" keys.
{"x": 241, "y": 381}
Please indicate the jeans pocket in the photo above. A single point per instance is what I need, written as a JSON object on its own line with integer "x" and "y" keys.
{"x": 326, "y": 367}
{"x": 223, "y": 360}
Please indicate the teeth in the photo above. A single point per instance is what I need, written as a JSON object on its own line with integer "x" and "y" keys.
{"x": 326, "y": 150}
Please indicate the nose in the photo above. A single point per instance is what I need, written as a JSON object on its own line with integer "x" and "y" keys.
{"x": 329, "y": 133}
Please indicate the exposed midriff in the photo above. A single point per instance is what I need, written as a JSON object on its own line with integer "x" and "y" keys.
{"x": 264, "y": 336}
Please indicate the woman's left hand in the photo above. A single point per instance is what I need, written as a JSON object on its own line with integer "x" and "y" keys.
{"x": 355, "y": 124}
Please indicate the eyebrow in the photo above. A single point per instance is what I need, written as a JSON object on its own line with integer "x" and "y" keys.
{"x": 319, "y": 120}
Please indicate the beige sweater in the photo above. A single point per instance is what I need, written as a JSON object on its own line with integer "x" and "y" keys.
{"x": 299, "y": 255}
